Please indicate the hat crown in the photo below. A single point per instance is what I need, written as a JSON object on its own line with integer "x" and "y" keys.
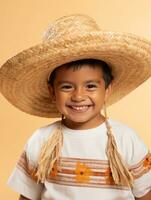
{"x": 69, "y": 26}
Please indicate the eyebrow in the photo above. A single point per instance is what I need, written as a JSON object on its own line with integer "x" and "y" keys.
{"x": 88, "y": 81}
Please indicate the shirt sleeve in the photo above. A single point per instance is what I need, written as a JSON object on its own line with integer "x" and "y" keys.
{"x": 140, "y": 160}
{"x": 23, "y": 179}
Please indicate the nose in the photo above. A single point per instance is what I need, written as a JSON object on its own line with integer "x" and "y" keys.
{"x": 78, "y": 95}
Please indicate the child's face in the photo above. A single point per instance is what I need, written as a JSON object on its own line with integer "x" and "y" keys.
{"x": 80, "y": 95}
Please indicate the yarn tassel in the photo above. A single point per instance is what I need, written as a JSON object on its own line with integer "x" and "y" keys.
{"x": 120, "y": 172}
{"x": 49, "y": 155}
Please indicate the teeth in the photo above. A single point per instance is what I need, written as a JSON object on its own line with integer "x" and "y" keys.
{"x": 79, "y": 107}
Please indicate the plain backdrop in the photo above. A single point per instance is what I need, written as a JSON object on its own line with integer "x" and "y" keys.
{"x": 22, "y": 24}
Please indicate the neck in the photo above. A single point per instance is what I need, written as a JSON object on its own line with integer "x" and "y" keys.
{"x": 81, "y": 125}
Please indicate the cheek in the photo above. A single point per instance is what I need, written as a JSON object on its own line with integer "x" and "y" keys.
{"x": 99, "y": 95}
{"x": 60, "y": 97}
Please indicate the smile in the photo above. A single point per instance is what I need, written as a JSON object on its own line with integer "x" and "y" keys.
{"x": 82, "y": 108}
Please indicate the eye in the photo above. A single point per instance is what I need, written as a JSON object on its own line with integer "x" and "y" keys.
{"x": 66, "y": 87}
{"x": 91, "y": 86}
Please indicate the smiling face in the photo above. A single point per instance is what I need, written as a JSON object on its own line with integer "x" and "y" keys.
{"x": 79, "y": 95}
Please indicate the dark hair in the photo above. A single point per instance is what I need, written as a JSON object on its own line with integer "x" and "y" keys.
{"x": 107, "y": 72}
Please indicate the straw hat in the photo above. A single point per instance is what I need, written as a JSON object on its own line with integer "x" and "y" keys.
{"x": 23, "y": 78}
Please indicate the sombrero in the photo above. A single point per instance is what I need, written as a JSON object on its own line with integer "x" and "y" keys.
{"x": 23, "y": 78}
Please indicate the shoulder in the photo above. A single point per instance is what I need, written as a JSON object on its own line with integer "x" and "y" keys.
{"x": 43, "y": 133}
{"x": 37, "y": 139}
{"x": 129, "y": 143}
{"x": 124, "y": 132}
{"x": 116, "y": 125}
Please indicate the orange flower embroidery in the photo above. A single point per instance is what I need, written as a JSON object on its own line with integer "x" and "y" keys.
{"x": 147, "y": 162}
{"x": 83, "y": 173}
{"x": 109, "y": 177}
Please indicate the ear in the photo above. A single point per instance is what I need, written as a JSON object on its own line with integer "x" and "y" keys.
{"x": 108, "y": 91}
{"x": 51, "y": 92}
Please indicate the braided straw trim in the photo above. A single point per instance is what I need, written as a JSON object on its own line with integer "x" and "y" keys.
{"x": 50, "y": 153}
{"x": 119, "y": 168}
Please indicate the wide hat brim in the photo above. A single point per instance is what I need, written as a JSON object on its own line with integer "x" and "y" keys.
{"x": 23, "y": 78}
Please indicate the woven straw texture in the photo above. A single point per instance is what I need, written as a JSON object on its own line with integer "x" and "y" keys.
{"x": 23, "y": 78}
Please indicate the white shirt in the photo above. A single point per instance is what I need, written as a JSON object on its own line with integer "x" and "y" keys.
{"x": 85, "y": 172}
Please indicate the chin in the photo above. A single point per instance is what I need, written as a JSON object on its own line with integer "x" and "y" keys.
{"x": 78, "y": 120}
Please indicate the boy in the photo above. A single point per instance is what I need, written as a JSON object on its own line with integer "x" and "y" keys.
{"x": 85, "y": 155}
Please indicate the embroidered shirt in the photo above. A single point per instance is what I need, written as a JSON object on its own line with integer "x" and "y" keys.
{"x": 83, "y": 171}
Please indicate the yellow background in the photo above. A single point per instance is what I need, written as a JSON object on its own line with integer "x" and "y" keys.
{"x": 22, "y": 23}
